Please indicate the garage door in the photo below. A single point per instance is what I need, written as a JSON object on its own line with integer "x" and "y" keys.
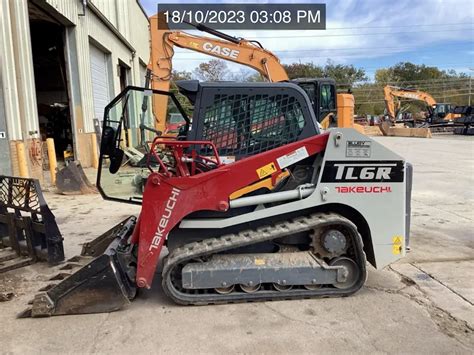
{"x": 100, "y": 81}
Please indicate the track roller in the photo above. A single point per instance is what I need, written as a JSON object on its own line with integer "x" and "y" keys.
{"x": 352, "y": 270}
{"x": 225, "y": 290}
{"x": 250, "y": 288}
{"x": 281, "y": 288}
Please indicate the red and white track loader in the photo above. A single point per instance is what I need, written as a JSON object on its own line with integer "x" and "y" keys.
{"x": 250, "y": 202}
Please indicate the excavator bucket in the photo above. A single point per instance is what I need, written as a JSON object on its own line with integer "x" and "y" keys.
{"x": 71, "y": 180}
{"x": 103, "y": 284}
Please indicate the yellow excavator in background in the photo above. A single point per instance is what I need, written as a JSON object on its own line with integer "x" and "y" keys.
{"x": 437, "y": 112}
{"x": 327, "y": 104}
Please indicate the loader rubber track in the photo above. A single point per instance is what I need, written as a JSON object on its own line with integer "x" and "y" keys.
{"x": 207, "y": 247}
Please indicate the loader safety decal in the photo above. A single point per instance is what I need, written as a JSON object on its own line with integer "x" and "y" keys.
{"x": 363, "y": 171}
{"x": 293, "y": 157}
{"x": 397, "y": 245}
{"x": 266, "y": 170}
{"x": 358, "y": 149}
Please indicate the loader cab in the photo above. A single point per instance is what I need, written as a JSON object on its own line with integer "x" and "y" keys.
{"x": 322, "y": 94}
{"x": 240, "y": 119}
{"x": 244, "y": 119}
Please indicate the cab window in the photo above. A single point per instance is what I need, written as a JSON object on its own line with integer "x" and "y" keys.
{"x": 327, "y": 97}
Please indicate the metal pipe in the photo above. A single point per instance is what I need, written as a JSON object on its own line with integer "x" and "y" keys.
{"x": 299, "y": 193}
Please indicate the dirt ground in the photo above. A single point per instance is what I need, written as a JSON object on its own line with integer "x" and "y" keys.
{"x": 422, "y": 304}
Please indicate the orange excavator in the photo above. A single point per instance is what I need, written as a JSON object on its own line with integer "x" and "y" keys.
{"x": 437, "y": 112}
{"x": 327, "y": 104}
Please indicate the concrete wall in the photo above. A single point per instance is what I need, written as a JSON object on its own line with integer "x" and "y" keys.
{"x": 119, "y": 27}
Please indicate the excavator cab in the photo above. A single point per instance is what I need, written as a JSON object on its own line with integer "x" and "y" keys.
{"x": 323, "y": 95}
{"x": 441, "y": 112}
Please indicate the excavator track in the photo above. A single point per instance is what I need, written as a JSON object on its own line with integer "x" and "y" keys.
{"x": 174, "y": 262}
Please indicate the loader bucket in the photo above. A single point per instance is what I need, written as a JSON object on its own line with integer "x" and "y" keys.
{"x": 71, "y": 180}
{"x": 105, "y": 284}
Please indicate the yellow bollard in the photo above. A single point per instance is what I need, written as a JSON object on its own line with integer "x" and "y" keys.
{"x": 22, "y": 164}
{"x": 53, "y": 163}
{"x": 95, "y": 156}
{"x": 129, "y": 138}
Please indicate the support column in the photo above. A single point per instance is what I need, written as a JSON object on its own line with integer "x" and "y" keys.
{"x": 26, "y": 91}
{"x": 8, "y": 68}
{"x": 24, "y": 70}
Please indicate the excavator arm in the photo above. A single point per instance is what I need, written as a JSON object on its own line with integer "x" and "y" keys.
{"x": 391, "y": 92}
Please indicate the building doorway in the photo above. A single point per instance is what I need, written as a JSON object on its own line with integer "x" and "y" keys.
{"x": 51, "y": 82}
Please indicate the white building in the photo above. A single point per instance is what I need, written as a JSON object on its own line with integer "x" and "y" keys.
{"x": 61, "y": 62}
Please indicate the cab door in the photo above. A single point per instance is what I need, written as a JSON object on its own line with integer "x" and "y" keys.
{"x": 327, "y": 100}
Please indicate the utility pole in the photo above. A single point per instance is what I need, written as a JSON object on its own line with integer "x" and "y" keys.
{"x": 470, "y": 84}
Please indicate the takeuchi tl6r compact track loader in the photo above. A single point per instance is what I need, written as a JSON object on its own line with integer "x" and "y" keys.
{"x": 251, "y": 201}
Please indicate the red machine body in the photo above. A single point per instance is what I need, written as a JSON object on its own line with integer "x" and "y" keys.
{"x": 172, "y": 195}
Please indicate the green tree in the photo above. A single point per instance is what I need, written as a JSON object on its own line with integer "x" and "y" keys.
{"x": 384, "y": 76}
{"x": 184, "y": 102}
{"x": 345, "y": 75}
{"x": 406, "y": 72}
{"x": 213, "y": 70}
{"x": 303, "y": 70}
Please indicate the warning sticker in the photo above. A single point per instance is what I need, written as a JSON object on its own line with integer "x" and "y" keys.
{"x": 259, "y": 262}
{"x": 266, "y": 170}
{"x": 397, "y": 245}
{"x": 293, "y": 157}
{"x": 358, "y": 149}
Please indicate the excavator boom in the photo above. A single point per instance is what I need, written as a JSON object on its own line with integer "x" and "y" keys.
{"x": 237, "y": 50}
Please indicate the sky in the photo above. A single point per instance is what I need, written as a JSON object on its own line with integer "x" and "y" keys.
{"x": 369, "y": 34}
